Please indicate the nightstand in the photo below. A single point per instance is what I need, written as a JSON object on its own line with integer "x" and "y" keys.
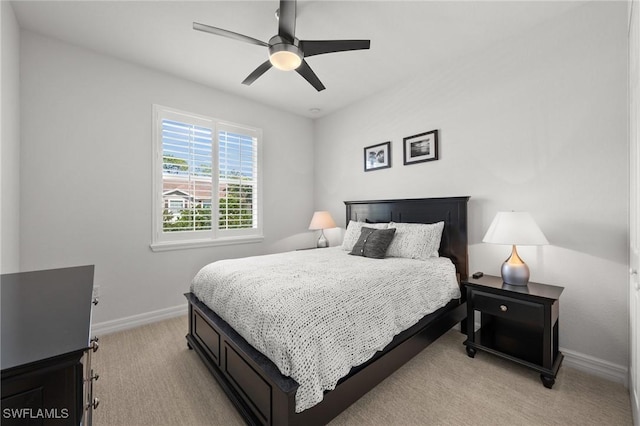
{"x": 518, "y": 323}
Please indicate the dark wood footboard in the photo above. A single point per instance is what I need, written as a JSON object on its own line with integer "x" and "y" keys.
{"x": 263, "y": 396}
{"x": 254, "y": 384}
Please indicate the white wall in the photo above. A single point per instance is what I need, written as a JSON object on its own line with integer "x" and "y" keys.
{"x": 10, "y": 142}
{"x": 536, "y": 123}
{"x": 634, "y": 210}
{"x": 86, "y": 173}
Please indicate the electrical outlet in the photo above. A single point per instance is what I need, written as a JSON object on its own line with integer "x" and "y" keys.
{"x": 96, "y": 292}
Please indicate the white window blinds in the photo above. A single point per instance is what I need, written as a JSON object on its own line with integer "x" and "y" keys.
{"x": 238, "y": 178}
{"x": 206, "y": 180}
{"x": 186, "y": 176}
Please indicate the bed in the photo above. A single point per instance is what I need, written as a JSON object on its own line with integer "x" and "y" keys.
{"x": 262, "y": 395}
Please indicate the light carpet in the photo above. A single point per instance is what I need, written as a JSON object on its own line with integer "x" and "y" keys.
{"x": 149, "y": 377}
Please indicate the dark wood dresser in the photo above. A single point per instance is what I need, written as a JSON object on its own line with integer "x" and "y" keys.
{"x": 46, "y": 347}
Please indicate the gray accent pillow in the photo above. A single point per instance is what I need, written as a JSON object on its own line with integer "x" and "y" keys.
{"x": 373, "y": 242}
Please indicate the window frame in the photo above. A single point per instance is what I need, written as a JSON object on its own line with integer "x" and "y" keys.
{"x": 163, "y": 241}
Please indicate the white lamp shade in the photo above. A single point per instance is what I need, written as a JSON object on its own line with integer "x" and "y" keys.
{"x": 514, "y": 228}
{"x": 322, "y": 220}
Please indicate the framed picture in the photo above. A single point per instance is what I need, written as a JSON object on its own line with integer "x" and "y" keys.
{"x": 421, "y": 148}
{"x": 377, "y": 157}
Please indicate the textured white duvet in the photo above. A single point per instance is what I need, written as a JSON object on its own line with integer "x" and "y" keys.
{"x": 317, "y": 313}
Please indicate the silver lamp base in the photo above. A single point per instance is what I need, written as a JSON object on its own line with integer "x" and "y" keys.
{"x": 514, "y": 271}
{"x": 322, "y": 241}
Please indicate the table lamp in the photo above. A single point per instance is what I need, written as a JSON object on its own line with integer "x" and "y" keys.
{"x": 514, "y": 228}
{"x": 322, "y": 220}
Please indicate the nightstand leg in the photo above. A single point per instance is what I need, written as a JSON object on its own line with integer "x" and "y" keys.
{"x": 471, "y": 351}
{"x": 547, "y": 381}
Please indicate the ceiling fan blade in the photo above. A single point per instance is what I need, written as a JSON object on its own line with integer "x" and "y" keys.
{"x": 305, "y": 71}
{"x": 319, "y": 47}
{"x": 257, "y": 73}
{"x": 287, "y": 19}
{"x": 229, "y": 34}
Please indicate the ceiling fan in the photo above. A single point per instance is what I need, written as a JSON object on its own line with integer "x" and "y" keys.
{"x": 286, "y": 52}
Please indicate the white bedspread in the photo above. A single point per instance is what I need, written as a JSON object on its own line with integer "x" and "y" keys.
{"x": 318, "y": 313}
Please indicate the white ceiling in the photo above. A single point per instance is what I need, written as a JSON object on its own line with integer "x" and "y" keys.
{"x": 407, "y": 37}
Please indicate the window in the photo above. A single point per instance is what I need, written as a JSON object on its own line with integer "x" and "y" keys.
{"x": 206, "y": 181}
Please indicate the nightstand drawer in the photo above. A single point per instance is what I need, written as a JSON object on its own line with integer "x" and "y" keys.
{"x": 513, "y": 309}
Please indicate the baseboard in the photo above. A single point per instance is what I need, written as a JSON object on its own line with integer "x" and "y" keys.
{"x": 126, "y": 323}
{"x": 634, "y": 406}
{"x": 588, "y": 364}
{"x": 597, "y": 367}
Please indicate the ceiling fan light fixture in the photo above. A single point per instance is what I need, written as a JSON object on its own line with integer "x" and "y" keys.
{"x": 284, "y": 56}
{"x": 285, "y": 61}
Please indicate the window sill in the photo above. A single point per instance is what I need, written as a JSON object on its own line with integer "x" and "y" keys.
{"x": 191, "y": 244}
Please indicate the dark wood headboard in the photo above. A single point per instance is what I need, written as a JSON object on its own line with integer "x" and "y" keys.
{"x": 450, "y": 210}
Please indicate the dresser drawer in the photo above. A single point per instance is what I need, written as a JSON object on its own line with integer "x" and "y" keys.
{"x": 505, "y": 307}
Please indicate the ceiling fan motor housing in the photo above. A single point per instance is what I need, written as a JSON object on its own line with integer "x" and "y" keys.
{"x": 284, "y": 54}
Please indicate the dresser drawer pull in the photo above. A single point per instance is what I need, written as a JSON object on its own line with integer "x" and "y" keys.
{"x": 95, "y": 403}
{"x": 503, "y": 308}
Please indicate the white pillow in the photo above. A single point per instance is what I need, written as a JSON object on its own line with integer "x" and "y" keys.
{"x": 353, "y": 232}
{"x": 415, "y": 240}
